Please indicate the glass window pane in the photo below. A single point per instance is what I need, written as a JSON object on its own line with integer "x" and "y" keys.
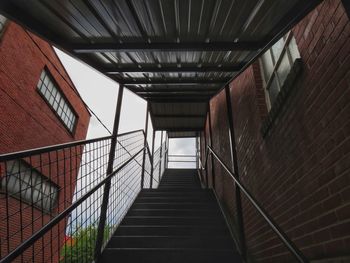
{"x": 293, "y": 49}
{"x": 283, "y": 69}
{"x": 273, "y": 90}
{"x": 53, "y": 96}
{"x": 267, "y": 65}
{"x": 277, "y": 49}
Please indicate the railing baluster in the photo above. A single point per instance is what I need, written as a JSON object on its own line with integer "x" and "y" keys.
{"x": 145, "y": 144}
{"x": 101, "y": 226}
{"x": 234, "y": 162}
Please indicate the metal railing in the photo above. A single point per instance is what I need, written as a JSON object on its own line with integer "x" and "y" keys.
{"x": 274, "y": 226}
{"x": 185, "y": 159}
{"x": 51, "y": 197}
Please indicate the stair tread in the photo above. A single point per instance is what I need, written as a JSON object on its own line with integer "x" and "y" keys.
{"x": 177, "y": 222}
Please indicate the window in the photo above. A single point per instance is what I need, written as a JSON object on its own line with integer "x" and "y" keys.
{"x": 2, "y": 23}
{"x": 48, "y": 89}
{"x": 26, "y": 183}
{"x": 276, "y": 64}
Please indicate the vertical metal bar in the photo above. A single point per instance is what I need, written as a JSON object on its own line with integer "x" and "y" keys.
{"x": 107, "y": 187}
{"x": 197, "y": 161}
{"x": 153, "y": 137}
{"x": 211, "y": 145}
{"x": 234, "y": 162}
{"x": 206, "y": 162}
{"x": 144, "y": 149}
{"x": 160, "y": 155}
{"x": 167, "y": 151}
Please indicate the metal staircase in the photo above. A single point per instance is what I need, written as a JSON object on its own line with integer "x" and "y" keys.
{"x": 177, "y": 222}
{"x": 103, "y": 194}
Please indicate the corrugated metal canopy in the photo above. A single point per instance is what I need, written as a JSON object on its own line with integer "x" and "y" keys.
{"x": 166, "y": 51}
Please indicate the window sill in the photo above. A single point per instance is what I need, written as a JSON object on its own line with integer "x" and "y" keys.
{"x": 287, "y": 87}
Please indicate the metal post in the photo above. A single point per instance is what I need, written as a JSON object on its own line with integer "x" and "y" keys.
{"x": 154, "y": 135}
{"x": 107, "y": 186}
{"x": 197, "y": 155}
{"x": 144, "y": 150}
{"x": 206, "y": 162}
{"x": 167, "y": 151}
{"x": 160, "y": 155}
{"x": 211, "y": 145}
{"x": 234, "y": 162}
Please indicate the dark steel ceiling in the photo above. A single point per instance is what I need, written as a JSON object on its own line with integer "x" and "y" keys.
{"x": 166, "y": 51}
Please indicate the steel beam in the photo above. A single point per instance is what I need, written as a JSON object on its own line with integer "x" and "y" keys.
{"x": 234, "y": 162}
{"x": 174, "y": 81}
{"x": 173, "y": 68}
{"x": 160, "y": 155}
{"x": 178, "y": 116}
{"x": 107, "y": 187}
{"x": 166, "y": 47}
{"x": 152, "y": 164}
{"x": 145, "y": 146}
{"x": 211, "y": 145}
{"x": 159, "y": 90}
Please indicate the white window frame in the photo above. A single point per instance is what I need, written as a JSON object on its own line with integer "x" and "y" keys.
{"x": 289, "y": 48}
{"x": 3, "y": 21}
{"x": 25, "y": 183}
{"x": 57, "y": 101}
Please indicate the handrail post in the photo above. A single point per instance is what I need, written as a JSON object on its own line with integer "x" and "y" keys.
{"x": 107, "y": 187}
{"x": 152, "y": 162}
{"x": 160, "y": 155}
{"x": 211, "y": 145}
{"x": 167, "y": 151}
{"x": 197, "y": 151}
{"x": 234, "y": 162}
{"x": 145, "y": 150}
{"x": 206, "y": 163}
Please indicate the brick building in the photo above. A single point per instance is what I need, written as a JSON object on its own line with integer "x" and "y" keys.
{"x": 291, "y": 112}
{"x": 39, "y": 106}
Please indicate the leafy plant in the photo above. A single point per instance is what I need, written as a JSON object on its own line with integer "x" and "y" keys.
{"x": 81, "y": 246}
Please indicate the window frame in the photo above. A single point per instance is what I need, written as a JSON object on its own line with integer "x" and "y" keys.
{"x": 4, "y": 25}
{"x": 63, "y": 98}
{"x": 274, "y": 75}
{"x": 22, "y": 197}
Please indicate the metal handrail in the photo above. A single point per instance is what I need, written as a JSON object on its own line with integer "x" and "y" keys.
{"x": 283, "y": 237}
{"x": 30, "y": 241}
{"x": 40, "y": 150}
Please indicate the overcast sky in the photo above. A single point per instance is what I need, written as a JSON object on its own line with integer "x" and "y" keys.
{"x": 100, "y": 93}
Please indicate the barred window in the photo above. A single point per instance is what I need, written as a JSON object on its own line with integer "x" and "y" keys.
{"x": 276, "y": 64}
{"x": 56, "y": 100}
{"x": 24, "y": 182}
{"x": 2, "y": 23}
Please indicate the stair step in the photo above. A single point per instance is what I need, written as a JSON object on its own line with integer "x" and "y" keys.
{"x": 160, "y": 193}
{"x": 177, "y": 199}
{"x": 187, "y": 205}
{"x": 176, "y": 222}
{"x": 179, "y": 189}
{"x": 171, "y": 242}
{"x": 166, "y": 220}
{"x": 171, "y": 230}
{"x": 174, "y": 212}
{"x": 157, "y": 255}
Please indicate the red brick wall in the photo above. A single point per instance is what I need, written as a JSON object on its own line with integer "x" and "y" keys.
{"x": 300, "y": 172}
{"x": 26, "y": 121}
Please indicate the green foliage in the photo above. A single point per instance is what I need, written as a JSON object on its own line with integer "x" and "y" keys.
{"x": 81, "y": 248}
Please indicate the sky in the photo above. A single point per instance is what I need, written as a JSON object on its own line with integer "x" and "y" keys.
{"x": 100, "y": 93}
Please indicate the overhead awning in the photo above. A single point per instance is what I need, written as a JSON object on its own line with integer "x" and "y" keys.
{"x": 169, "y": 52}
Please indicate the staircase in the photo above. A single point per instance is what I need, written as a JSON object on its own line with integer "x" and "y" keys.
{"x": 177, "y": 222}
